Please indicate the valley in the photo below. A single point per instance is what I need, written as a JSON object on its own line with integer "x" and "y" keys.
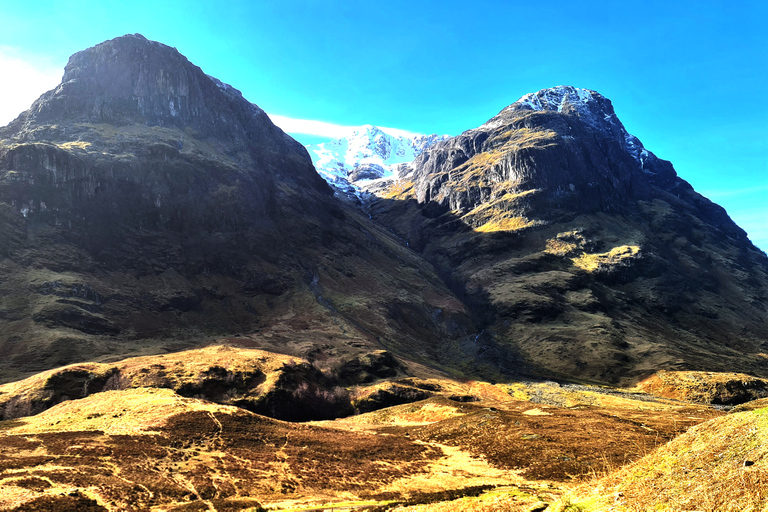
{"x": 537, "y": 314}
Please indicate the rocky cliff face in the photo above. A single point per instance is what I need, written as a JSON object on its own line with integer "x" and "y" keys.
{"x": 583, "y": 254}
{"x": 146, "y": 206}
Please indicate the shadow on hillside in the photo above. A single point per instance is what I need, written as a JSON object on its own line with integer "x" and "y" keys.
{"x": 524, "y": 296}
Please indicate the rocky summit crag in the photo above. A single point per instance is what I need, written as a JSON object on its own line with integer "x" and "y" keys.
{"x": 146, "y": 206}
{"x": 583, "y": 253}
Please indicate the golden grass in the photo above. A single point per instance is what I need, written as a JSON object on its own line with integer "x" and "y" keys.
{"x": 502, "y": 499}
{"x": 569, "y": 397}
{"x": 617, "y": 255}
{"x": 565, "y": 243}
{"x": 718, "y": 466}
{"x": 75, "y": 145}
{"x": 400, "y": 190}
{"x": 455, "y": 470}
{"x": 418, "y": 413}
{"x": 505, "y": 224}
{"x": 520, "y": 138}
{"x": 502, "y": 201}
{"x": 130, "y": 411}
{"x": 559, "y": 247}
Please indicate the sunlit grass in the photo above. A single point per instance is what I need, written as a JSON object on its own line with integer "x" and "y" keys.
{"x": 720, "y": 465}
{"x": 505, "y": 224}
{"x": 593, "y": 262}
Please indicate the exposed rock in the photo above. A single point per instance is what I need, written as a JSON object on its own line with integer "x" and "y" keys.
{"x": 145, "y": 205}
{"x": 580, "y": 252}
{"x": 706, "y": 387}
{"x": 387, "y": 395}
{"x": 368, "y": 367}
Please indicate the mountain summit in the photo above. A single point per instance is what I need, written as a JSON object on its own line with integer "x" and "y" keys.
{"x": 131, "y": 80}
{"x": 146, "y": 206}
{"x": 584, "y": 254}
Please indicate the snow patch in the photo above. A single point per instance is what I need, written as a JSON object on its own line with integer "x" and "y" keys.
{"x": 367, "y": 154}
{"x": 589, "y": 105}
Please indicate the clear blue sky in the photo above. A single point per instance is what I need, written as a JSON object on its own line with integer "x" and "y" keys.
{"x": 688, "y": 78}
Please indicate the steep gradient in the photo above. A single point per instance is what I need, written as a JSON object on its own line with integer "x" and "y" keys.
{"x": 145, "y": 206}
{"x": 582, "y": 254}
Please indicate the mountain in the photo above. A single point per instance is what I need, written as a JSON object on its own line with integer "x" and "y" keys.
{"x": 582, "y": 254}
{"x": 368, "y": 153}
{"x": 148, "y": 207}
{"x": 181, "y": 294}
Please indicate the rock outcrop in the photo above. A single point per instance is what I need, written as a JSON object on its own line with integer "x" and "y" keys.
{"x": 146, "y": 206}
{"x": 582, "y": 253}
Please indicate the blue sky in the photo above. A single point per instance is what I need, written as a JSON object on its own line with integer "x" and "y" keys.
{"x": 687, "y": 78}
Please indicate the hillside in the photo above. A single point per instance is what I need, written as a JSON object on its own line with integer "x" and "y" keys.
{"x": 147, "y": 207}
{"x": 579, "y": 252}
{"x": 719, "y": 465}
{"x": 538, "y": 314}
{"x": 176, "y": 432}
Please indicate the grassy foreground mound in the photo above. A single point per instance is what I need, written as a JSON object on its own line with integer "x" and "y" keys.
{"x": 720, "y": 465}
{"x": 706, "y": 387}
{"x": 470, "y": 446}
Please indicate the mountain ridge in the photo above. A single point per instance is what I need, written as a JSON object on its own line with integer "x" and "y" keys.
{"x": 184, "y": 293}
{"x": 170, "y": 172}
{"x": 550, "y": 214}
{"x": 161, "y": 210}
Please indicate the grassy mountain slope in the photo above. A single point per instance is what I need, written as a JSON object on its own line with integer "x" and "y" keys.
{"x": 581, "y": 254}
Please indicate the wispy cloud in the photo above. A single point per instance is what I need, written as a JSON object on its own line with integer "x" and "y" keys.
{"x": 309, "y": 127}
{"x": 323, "y": 129}
{"x": 24, "y": 80}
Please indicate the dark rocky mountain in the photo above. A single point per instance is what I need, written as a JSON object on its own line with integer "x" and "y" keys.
{"x": 581, "y": 253}
{"x": 145, "y": 206}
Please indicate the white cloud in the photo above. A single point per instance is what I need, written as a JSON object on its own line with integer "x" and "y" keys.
{"x": 323, "y": 129}
{"x": 309, "y": 127}
{"x": 24, "y": 80}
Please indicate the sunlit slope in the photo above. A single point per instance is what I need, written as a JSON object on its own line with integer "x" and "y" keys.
{"x": 581, "y": 254}
{"x": 719, "y": 465}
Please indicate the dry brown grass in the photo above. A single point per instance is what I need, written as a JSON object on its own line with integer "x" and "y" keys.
{"x": 718, "y": 466}
{"x": 501, "y": 499}
{"x": 125, "y": 412}
{"x": 175, "y": 370}
{"x": 705, "y": 387}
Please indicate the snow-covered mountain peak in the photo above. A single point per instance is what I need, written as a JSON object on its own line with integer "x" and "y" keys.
{"x": 590, "y": 106}
{"x": 557, "y": 98}
{"x": 369, "y": 152}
